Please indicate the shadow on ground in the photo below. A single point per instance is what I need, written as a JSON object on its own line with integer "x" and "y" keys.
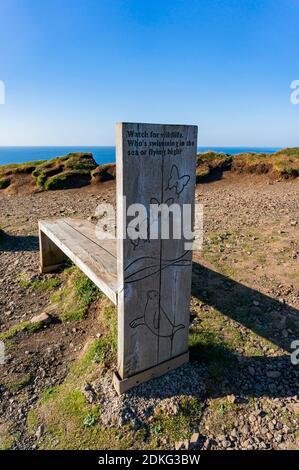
{"x": 222, "y": 371}
{"x": 215, "y": 175}
{"x": 249, "y": 307}
{"x": 232, "y": 373}
{"x": 18, "y": 242}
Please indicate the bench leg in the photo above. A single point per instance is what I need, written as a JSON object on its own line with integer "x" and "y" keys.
{"x": 51, "y": 257}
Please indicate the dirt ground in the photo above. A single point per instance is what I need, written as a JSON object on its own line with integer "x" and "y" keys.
{"x": 245, "y": 302}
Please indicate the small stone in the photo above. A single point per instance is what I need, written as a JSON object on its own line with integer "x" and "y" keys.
{"x": 42, "y": 318}
{"x": 294, "y": 407}
{"x": 251, "y": 370}
{"x": 285, "y": 429}
{"x": 88, "y": 392}
{"x": 232, "y": 398}
{"x": 179, "y": 445}
{"x": 245, "y": 430}
{"x": 256, "y": 303}
{"x": 186, "y": 444}
{"x": 225, "y": 444}
{"x": 40, "y": 431}
{"x": 273, "y": 374}
{"x": 246, "y": 443}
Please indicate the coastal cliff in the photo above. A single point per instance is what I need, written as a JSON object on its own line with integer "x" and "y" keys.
{"x": 76, "y": 170}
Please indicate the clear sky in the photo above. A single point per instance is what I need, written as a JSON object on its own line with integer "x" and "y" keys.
{"x": 72, "y": 68}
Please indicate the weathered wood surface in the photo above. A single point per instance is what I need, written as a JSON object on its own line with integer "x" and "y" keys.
{"x": 155, "y": 164}
{"x": 126, "y": 384}
{"x": 77, "y": 240}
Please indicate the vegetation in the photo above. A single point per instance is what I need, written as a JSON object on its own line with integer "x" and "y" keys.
{"x": 40, "y": 284}
{"x": 104, "y": 173}
{"x": 71, "y": 422}
{"x": 22, "y": 326}
{"x": 75, "y": 170}
{"x": 69, "y": 171}
{"x": 178, "y": 426}
{"x": 7, "y": 437}
{"x": 4, "y": 183}
{"x": 75, "y": 297}
{"x": 15, "y": 385}
{"x": 282, "y": 164}
{"x": 14, "y": 168}
{"x": 210, "y": 165}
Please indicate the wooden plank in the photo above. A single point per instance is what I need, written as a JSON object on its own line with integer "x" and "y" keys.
{"x": 122, "y": 386}
{"x": 88, "y": 229}
{"x": 98, "y": 264}
{"x": 52, "y": 268}
{"x": 50, "y": 255}
{"x": 155, "y": 164}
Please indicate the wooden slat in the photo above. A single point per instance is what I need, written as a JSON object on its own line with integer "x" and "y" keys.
{"x": 89, "y": 230}
{"x": 97, "y": 262}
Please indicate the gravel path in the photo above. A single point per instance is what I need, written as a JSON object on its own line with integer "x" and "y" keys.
{"x": 245, "y": 286}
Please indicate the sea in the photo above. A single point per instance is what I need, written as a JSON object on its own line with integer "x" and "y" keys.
{"x": 100, "y": 154}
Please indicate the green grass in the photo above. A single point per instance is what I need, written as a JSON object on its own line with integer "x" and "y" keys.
{"x": 72, "y": 170}
{"x": 65, "y": 171}
{"x": 76, "y": 296}
{"x": 4, "y": 183}
{"x": 71, "y": 422}
{"x": 23, "y": 326}
{"x": 48, "y": 284}
{"x": 15, "y": 385}
{"x": 284, "y": 163}
{"x": 14, "y": 168}
{"x": 179, "y": 426}
{"x": 66, "y": 179}
{"x": 210, "y": 163}
{"x": 7, "y": 436}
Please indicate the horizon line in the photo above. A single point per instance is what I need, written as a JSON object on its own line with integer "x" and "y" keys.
{"x": 113, "y": 146}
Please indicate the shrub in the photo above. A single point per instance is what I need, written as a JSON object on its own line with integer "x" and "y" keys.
{"x": 4, "y": 183}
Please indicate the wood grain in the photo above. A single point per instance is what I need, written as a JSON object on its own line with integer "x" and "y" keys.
{"x": 75, "y": 238}
{"x": 154, "y": 275}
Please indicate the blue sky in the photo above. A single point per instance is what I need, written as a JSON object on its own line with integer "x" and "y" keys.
{"x": 72, "y": 68}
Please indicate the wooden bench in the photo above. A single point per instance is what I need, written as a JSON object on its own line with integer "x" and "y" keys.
{"x": 76, "y": 240}
{"x": 149, "y": 280}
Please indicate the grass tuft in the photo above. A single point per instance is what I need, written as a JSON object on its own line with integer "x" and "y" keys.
{"x": 74, "y": 299}
{"x": 48, "y": 284}
{"x": 23, "y": 326}
{"x": 4, "y": 183}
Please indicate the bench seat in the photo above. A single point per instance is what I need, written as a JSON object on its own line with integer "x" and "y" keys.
{"x": 76, "y": 239}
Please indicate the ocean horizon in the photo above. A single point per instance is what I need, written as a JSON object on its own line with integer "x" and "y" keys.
{"x": 101, "y": 154}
